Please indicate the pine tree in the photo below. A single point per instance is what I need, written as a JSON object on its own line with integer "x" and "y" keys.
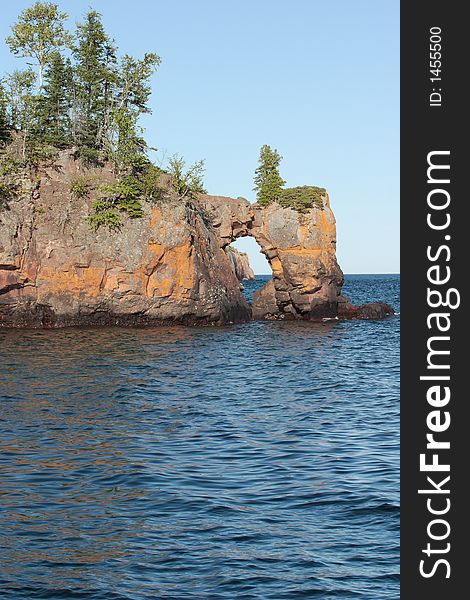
{"x": 95, "y": 56}
{"x": 125, "y": 140}
{"x": 54, "y": 118}
{"x": 4, "y": 121}
{"x": 268, "y": 181}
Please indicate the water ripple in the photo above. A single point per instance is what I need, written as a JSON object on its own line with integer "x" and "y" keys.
{"x": 258, "y": 461}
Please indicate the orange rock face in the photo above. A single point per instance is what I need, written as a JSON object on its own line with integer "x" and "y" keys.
{"x": 165, "y": 267}
{"x": 168, "y": 266}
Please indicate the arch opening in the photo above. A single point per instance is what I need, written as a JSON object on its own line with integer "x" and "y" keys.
{"x": 252, "y": 249}
{"x": 250, "y": 265}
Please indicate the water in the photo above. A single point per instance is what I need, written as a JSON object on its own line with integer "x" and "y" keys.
{"x": 253, "y": 462}
{"x": 250, "y": 287}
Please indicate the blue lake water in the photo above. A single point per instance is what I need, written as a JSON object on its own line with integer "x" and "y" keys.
{"x": 259, "y": 461}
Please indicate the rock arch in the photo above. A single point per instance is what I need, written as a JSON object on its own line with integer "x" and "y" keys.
{"x": 167, "y": 267}
{"x": 300, "y": 247}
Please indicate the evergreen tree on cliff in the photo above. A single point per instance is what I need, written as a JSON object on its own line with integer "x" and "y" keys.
{"x": 55, "y": 106}
{"x": 4, "y": 121}
{"x": 125, "y": 141}
{"x": 268, "y": 181}
{"x": 89, "y": 100}
{"x": 95, "y": 56}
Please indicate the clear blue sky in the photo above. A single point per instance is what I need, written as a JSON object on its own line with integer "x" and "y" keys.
{"x": 317, "y": 80}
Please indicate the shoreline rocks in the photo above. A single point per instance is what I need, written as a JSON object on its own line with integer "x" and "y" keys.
{"x": 372, "y": 311}
{"x": 265, "y": 308}
{"x": 172, "y": 265}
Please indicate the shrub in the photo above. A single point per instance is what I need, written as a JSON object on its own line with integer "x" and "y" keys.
{"x": 122, "y": 196}
{"x": 37, "y": 153}
{"x": 6, "y": 194}
{"x": 80, "y": 187}
{"x": 303, "y": 198}
{"x": 150, "y": 184}
{"x": 90, "y": 156}
{"x": 104, "y": 218}
{"x": 186, "y": 182}
{"x": 9, "y": 166}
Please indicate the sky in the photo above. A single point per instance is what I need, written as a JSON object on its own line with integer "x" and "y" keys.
{"x": 318, "y": 81}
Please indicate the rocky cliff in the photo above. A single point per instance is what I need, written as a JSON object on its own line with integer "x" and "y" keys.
{"x": 167, "y": 266}
{"x": 170, "y": 265}
{"x": 240, "y": 264}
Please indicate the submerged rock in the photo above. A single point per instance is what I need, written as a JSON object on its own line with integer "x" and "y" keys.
{"x": 371, "y": 311}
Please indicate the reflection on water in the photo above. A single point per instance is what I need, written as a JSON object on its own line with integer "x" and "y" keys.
{"x": 257, "y": 461}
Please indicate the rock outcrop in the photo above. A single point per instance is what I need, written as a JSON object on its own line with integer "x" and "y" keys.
{"x": 54, "y": 270}
{"x": 301, "y": 249}
{"x": 372, "y": 311}
{"x": 265, "y": 306}
{"x": 172, "y": 265}
{"x": 240, "y": 264}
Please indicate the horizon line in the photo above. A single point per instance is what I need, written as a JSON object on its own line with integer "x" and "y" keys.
{"x": 355, "y": 273}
